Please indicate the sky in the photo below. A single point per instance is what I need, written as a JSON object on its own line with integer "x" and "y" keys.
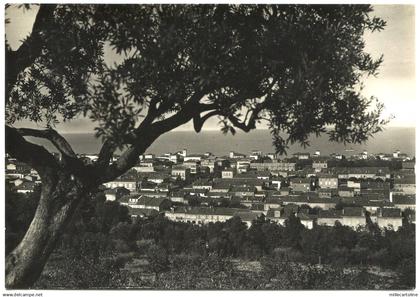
{"x": 394, "y": 86}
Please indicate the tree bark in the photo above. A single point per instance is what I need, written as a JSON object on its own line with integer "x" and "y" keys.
{"x": 64, "y": 186}
{"x": 60, "y": 196}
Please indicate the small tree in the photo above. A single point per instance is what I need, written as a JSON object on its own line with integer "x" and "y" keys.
{"x": 158, "y": 259}
{"x": 293, "y": 231}
{"x": 295, "y": 67}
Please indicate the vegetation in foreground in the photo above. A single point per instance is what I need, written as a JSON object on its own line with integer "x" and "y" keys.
{"x": 298, "y": 68}
{"x": 103, "y": 248}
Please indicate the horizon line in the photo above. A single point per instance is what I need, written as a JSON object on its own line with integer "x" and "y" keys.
{"x": 218, "y": 130}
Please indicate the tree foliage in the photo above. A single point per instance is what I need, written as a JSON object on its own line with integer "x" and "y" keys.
{"x": 139, "y": 71}
{"x": 297, "y": 67}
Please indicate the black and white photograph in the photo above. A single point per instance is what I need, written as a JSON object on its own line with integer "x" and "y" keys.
{"x": 218, "y": 146}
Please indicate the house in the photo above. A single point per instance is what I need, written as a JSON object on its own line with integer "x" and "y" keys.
{"x": 263, "y": 175}
{"x": 10, "y": 166}
{"x": 322, "y": 203}
{"x": 234, "y": 155}
{"x": 156, "y": 194}
{"x": 361, "y": 172}
{"x": 396, "y": 154}
{"x": 195, "y": 192}
{"x": 32, "y": 178}
{"x": 241, "y": 191}
{"x": 192, "y": 165}
{"x": 180, "y": 172}
{"x": 147, "y": 186}
{"x": 405, "y": 185}
{"x": 247, "y": 216}
{"x": 277, "y": 215}
{"x": 14, "y": 174}
{"x": 116, "y": 193}
{"x": 214, "y": 164}
{"x": 344, "y": 191}
{"x": 220, "y": 186}
{"x": 327, "y": 193}
{"x": 354, "y": 217}
{"x": 255, "y": 154}
{"x": 306, "y": 172}
{"x": 164, "y": 187}
{"x": 258, "y": 184}
{"x": 355, "y": 184}
{"x": 242, "y": 165}
{"x": 146, "y": 202}
{"x": 403, "y": 202}
{"x": 329, "y": 217}
{"x": 210, "y": 163}
{"x": 129, "y": 200}
{"x": 145, "y": 166}
{"x": 284, "y": 191}
{"x": 204, "y": 215}
{"x": 306, "y": 220}
{"x": 408, "y": 165}
{"x": 194, "y": 157}
{"x": 22, "y": 168}
{"x": 389, "y": 218}
{"x": 378, "y": 185}
{"x": 298, "y": 184}
{"x": 327, "y": 181}
{"x": 18, "y": 181}
{"x": 272, "y": 203}
{"x": 260, "y": 194}
{"x": 320, "y": 163}
{"x": 383, "y": 156}
{"x": 219, "y": 195}
{"x": 372, "y": 206}
{"x": 142, "y": 212}
{"x": 362, "y": 156}
{"x": 129, "y": 184}
{"x": 148, "y": 157}
{"x": 273, "y": 166}
{"x": 202, "y": 184}
{"x": 280, "y": 215}
{"x": 313, "y": 202}
{"x": 178, "y": 197}
{"x": 25, "y": 187}
{"x": 228, "y": 173}
{"x": 250, "y": 201}
{"x": 158, "y": 177}
{"x": 302, "y": 156}
{"x": 337, "y": 156}
{"x": 183, "y": 153}
{"x": 276, "y": 182}
{"x": 272, "y": 156}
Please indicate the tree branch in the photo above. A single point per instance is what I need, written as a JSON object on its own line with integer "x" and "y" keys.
{"x": 105, "y": 154}
{"x": 199, "y": 121}
{"x": 25, "y": 55}
{"x": 69, "y": 160}
{"x": 147, "y": 135}
{"x": 34, "y": 155}
{"x": 246, "y": 127}
{"x": 50, "y": 134}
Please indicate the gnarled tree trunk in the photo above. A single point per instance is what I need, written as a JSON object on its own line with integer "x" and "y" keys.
{"x": 60, "y": 196}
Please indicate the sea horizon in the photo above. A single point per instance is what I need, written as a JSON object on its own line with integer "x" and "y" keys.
{"x": 214, "y": 141}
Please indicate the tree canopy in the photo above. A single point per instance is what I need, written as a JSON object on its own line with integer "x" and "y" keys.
{"x": 298, "y": 68}
{"x": 139, "y": 71}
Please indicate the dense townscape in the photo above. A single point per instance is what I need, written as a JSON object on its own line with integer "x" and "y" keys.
{"x": 252, "y": 222}
{"x": 107, "y": 213}
{"x": 202, "y": 188}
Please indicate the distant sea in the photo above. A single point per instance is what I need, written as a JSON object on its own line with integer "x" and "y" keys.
{"x": 388, "y": 141}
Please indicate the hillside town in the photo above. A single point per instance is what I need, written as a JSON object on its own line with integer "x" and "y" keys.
{"x": 201, "y": 188}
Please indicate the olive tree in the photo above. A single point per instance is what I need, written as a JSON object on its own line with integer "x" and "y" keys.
{"x": 296, "y": 68}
